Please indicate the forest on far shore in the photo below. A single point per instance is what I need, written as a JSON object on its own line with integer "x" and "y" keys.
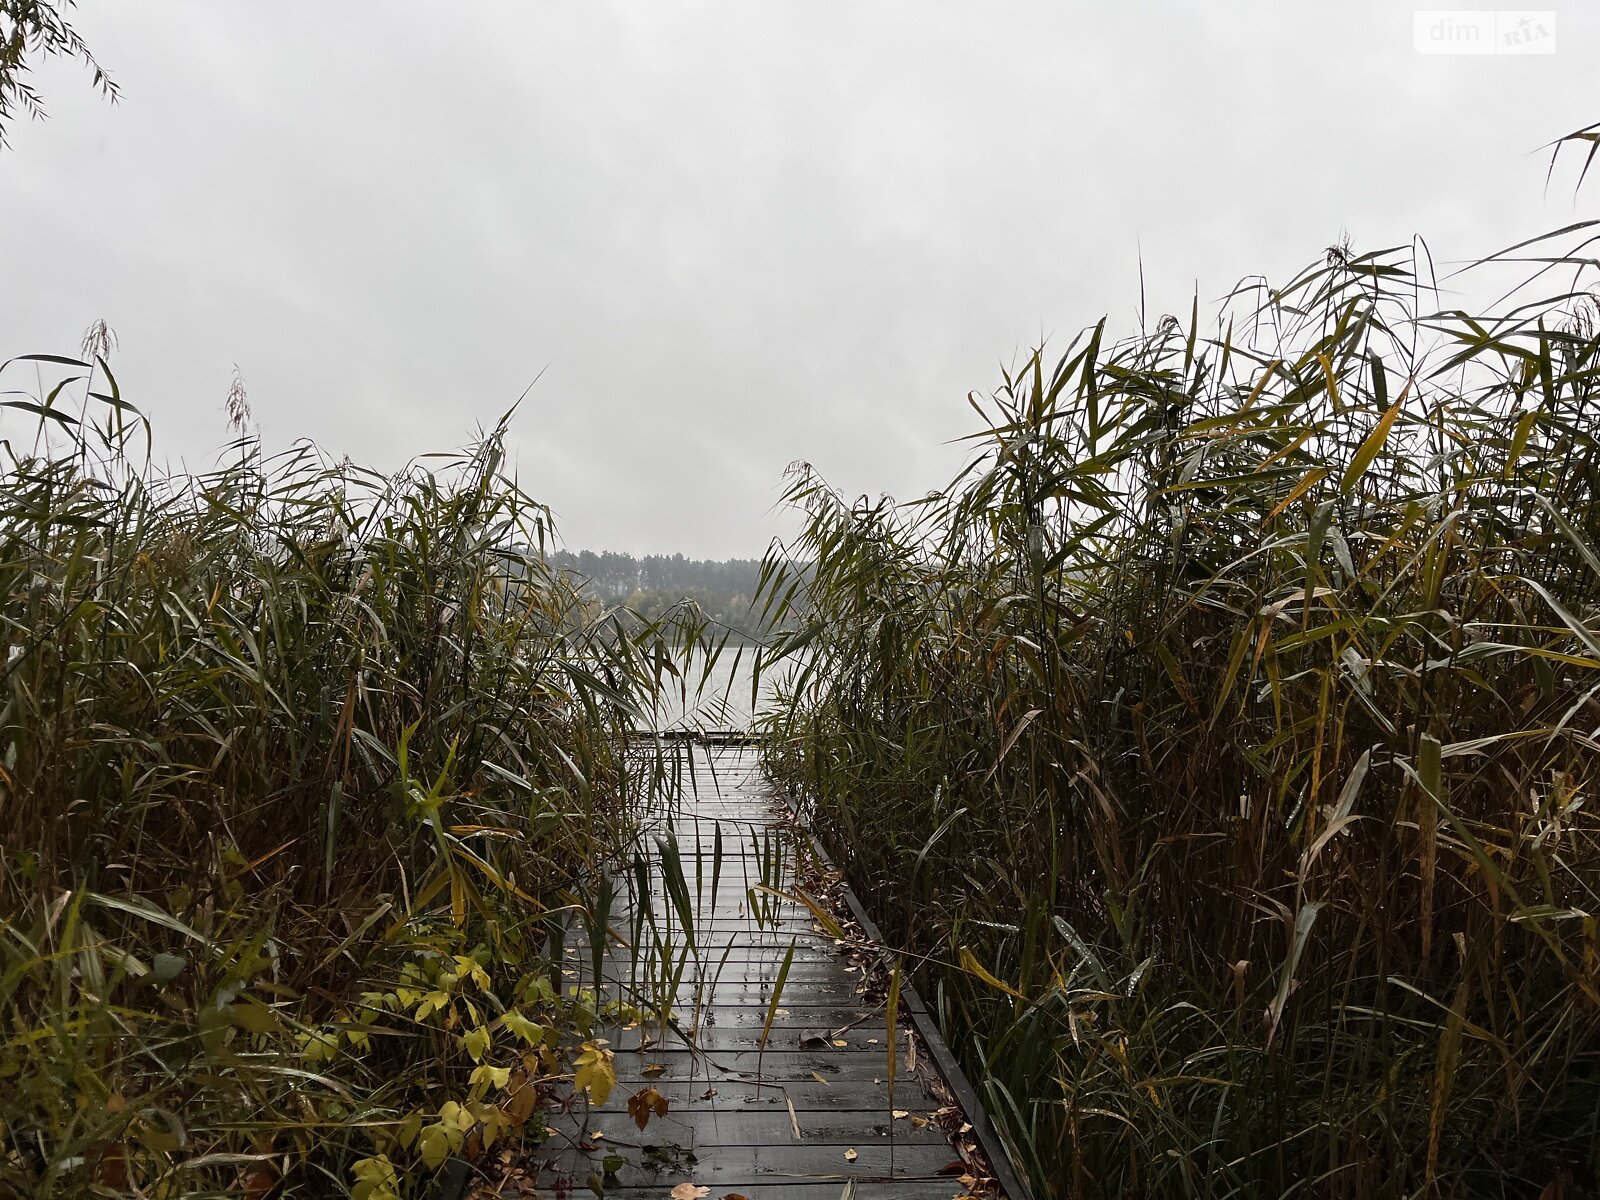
{"x": 724, "y": 589}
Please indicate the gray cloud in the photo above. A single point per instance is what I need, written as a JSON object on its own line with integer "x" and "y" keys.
{"x": 736, "y": 234}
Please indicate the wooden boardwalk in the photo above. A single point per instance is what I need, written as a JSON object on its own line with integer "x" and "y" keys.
{"x": 798, "y": 1120}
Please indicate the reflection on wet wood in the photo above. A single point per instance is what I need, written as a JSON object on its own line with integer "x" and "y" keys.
{"x": 796, "y": 1120}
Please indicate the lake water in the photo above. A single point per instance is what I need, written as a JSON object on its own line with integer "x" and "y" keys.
{"x": 724, "y": 699}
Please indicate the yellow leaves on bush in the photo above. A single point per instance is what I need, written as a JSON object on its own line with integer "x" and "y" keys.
{"x": 319, "y": 1045}
{"x": 522, "y": 1099}
{"x": 434, "y": 1146}
{"x": 595, "y": 1070}
{"x": 444, "y": 1137}
{"x": 375, "y": 1179}
{"x": 253, "y": 1016}
{"x": 432, "y": 1002}
{"x": 485, "y": 1077}
{"x": 531, "y": 1033}
{"x": 467, "y": 970}
{"x": 476, "y": 1043}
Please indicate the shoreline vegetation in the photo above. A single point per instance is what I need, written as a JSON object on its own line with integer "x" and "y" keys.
{"x": 1218, "y": 747}
{"x": 650, "y": 587}
{"x": 1220, "y": 744}
{"x": 301, "y": 767}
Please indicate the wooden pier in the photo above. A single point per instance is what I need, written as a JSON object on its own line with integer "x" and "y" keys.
{"x": 806, "y": 1114}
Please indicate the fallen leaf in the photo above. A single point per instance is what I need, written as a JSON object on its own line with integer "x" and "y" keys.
{"x": 840, "y": 1042}
{"x": 900, "y": 1114}
{"x": 708, "y": 1093}
{"x": 919, "y": 1122}
{"x": 820, "y": 1079}
{"x": 646, "y": 1103}
{"x": 114, "y": 1165}
{"x": 735, "y": 1196}
{"x": 689, "y": 1191}
{"x": 651, "y": 1070}
{"x": 850, "y": 1155}
{"x": 259, "y": 1182}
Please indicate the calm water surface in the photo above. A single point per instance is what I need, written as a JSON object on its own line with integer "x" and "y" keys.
{"x": 724, "y": 700}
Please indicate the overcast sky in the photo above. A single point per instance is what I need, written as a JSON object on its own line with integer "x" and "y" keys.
{"x": 732, "y": 235}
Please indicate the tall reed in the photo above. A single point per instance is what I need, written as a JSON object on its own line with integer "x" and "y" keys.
{"x": 1223, "y": 739}
{"x": 299, "y": 759}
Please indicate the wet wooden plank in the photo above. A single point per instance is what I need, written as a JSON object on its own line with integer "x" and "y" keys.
{"x": 696, "y": 1127}
{"x": 740, "y": 971}
{"x": 734, "y": 1106}
{"x": 743, "y": 993}
{"x": 793, "y": 1012}
{"x": 774, "y": 1066}
{"x": 901, "y": 1189}
{"x": 723, "y": 1167}
{"x": 719, "y": 1039}
{"x": 806, "y": 1096}
{"x": 712, "y": 949}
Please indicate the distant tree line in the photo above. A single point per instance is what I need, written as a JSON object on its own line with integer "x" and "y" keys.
{"x": 725, "y": 589}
